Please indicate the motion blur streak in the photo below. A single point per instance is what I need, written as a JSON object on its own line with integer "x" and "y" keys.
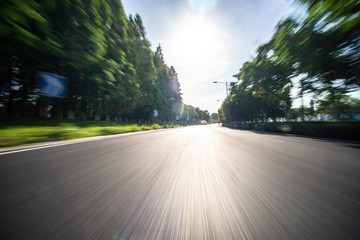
{"x": 202, "y": 182}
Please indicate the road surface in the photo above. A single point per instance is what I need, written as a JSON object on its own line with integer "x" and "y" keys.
{"x": 201, "y": 182}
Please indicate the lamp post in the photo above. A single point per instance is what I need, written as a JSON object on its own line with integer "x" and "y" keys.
{"x": 226, "y": 85}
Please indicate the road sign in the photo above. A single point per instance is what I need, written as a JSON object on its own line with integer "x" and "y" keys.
{"x": 156, "y": 113}
{"x": 52, "y": 85}
{"x": 261, "y": 90}
{"x": 177, "y": 118}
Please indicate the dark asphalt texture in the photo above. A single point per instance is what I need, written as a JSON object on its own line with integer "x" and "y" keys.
{"x": 201, "y": 182}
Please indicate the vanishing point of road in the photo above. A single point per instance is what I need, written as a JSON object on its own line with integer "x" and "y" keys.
{"x": 200, "y": 182}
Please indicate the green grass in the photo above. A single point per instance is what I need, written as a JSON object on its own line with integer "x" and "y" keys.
{"x": 22, "y": 131}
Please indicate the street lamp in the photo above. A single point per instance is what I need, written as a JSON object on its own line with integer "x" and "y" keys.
{"x": 226, "y": 83}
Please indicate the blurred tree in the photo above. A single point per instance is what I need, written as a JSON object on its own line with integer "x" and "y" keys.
{"x": 22, "y": 42}
{"x": 214, "y": 117}
{"x": 263, "y": 90}
{"x": 324, "y": 46}
{"x": 141, "y": 56}
{"x": 112, "y": 72}
{"x": 336, "y": 103}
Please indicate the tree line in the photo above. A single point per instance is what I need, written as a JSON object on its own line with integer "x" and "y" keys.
{"x": 112, "y": 72}
{"x": 320, "y": 48}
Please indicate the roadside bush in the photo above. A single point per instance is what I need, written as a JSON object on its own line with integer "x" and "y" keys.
{"x": 338, "y": 130}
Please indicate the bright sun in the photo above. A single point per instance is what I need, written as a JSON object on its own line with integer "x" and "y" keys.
{"x": 199, "y": 49}
{"x": 196, "y": 40}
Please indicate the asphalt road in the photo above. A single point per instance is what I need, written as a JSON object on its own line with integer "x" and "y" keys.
{"x": 202, "y": 182}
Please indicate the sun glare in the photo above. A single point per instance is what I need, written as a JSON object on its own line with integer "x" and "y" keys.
{"x": 199, "y": 48}
{"x": 196, "y": 41}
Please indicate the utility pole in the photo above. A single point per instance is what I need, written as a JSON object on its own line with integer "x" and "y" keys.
{"x": 227, "y": 89}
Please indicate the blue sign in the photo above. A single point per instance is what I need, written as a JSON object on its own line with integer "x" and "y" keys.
{"x": 177, "y": 118}
{"x": 52, "y": 85}
{"x": 156, "y": 113}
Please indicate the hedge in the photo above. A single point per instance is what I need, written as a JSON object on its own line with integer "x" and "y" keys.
{"x": 338, "y": 130}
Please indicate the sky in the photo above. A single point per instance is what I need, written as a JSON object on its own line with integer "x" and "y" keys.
{"x": 208, "y": 40}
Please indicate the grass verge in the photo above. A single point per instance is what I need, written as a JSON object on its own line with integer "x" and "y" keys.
{"x": 22, "y": 131}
